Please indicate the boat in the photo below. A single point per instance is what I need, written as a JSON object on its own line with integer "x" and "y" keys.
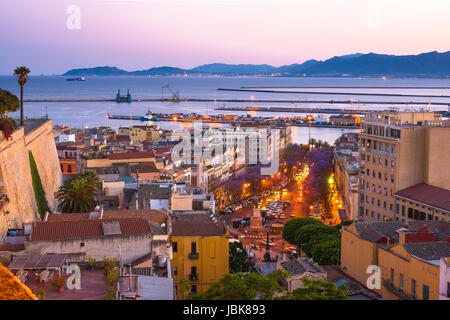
{"x": 76, "y": 79}
{"x": 149, "y": 117}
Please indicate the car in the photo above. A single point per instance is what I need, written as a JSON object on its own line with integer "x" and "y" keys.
{"x": 282, "y": 216}
{"x": 264, "y": 243}
{"x": 292, "y": 215}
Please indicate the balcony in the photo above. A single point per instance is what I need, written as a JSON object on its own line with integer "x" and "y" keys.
{"x": 193, "y": 255}
{"x": 193, "y": 277}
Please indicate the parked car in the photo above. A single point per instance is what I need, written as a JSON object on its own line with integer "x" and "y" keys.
{"x": 292, "y": 215}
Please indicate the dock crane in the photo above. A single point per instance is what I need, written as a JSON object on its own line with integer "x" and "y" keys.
{"x": 175, "y": 93}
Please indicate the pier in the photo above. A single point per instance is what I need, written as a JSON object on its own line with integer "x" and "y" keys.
{"x": 289, "y": 101}
{"x": 339, "y": 93}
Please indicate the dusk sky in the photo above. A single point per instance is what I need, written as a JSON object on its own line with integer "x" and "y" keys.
{"x": 134, "y": 35}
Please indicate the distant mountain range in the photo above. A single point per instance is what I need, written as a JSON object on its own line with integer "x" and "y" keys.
{"x": 430, "y": 64}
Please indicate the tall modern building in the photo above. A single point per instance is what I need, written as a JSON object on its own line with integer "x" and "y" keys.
{"x": 402, "y": 150}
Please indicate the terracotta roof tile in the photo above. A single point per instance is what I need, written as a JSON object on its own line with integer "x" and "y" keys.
{"x": 151, "y": 215}
{"x": 11, "y": 288}
{"x": 12, "y": 247}
{"x": 430, "y": 195}
{"x": 131, "y": 155}
{"x": 87, "y": 228}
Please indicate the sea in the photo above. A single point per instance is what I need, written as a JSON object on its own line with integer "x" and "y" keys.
{"x": 93, "y": 114}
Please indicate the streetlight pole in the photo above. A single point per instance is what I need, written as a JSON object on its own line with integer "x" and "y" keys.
{"x": 309, "y": 135}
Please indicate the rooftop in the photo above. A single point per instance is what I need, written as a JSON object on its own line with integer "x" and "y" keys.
{"x": 375, "y": 230}
{"x": 301, "y": 265}
{"x": 191, "y": 224}
{"x": 88, "y": 228}
{"x": 426, "y": 194}
{"x": 150, "y": 215}
{"x": 11, "y": 288}
{"x": 131, "y": 155}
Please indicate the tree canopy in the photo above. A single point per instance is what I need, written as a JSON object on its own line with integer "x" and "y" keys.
{"x": 238, "y": 258}
{"x": 318, "y": 290}
{"x": 240, "y": 286}
{"x": 77, "y": 196}
{"x": 8, "y": 103}
{"x": 291, "y": 227}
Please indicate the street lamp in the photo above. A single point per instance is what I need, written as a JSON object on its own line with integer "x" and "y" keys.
{"x": 309, "y": 118}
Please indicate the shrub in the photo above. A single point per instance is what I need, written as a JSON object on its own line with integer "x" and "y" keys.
{"x": 59, "y": 282}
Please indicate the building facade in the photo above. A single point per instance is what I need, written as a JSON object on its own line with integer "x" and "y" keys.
{"x": 399, "y": 150}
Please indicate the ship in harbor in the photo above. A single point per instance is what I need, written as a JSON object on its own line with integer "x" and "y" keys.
{"x": 149, "y": 117}
{"x": 76, "y": 79}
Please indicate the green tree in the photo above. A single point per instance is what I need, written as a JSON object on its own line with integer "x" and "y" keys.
{"x": 327, "y": 252}
{"x": 77, "y": 196}
{"x": 292, "y": 227}
{"x": 22, "y": 73}
{"x": 318, "y": 290}
{"x": 39, "y": 193}
{"x": 238, "y": 258}
{"x": 183, "y": 286}
{"x": 307, "y": 232}
{"x": 240, "y": 286}
{"x": 8, "y": 103}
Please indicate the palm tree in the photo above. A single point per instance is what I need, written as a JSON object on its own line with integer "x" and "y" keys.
{"x": 90, "y": 176}
{"x": 22, "y": 75}
{"x": 77, "y": 196}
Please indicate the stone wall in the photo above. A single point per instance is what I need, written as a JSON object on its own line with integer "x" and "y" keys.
{"x": 129, "y": 247}
{"x": 15, "y": 174}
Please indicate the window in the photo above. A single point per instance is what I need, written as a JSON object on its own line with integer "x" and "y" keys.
{"x": 193, "y": 247}
{"x": 392, "y": 276}
{"x": 82, "y": 244}
{"x": 392, "y": 178}
{"x": 397, "y": 208}
{"x": 413, "y": 288}
{"x": 175, "y": 271}
{"x": 385, "y": 163}
{"x": 193, "y": 289}
{"x": 69, "y": 168}
{"x": 174, "y": 247}
{"x": 402, "y": 281}
{"x": 425, "y": 292}
{"x": 403, "y": 210}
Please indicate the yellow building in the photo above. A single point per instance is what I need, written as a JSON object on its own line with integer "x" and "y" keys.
{"x": 400, "y": 150}
{"x": 407, "y": 253}
{"x": 200, "y": 252}
{"x": 139, "y": 134}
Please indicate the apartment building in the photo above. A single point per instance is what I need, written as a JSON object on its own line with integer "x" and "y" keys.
{"x": 407, "y": 254}
{"x": 346, "y": 168}
{"x": 399, "y": 150}
{"x": 200, "y": 251}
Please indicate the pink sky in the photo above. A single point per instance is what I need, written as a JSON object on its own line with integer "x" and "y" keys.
{"x": 142, "y": 34}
